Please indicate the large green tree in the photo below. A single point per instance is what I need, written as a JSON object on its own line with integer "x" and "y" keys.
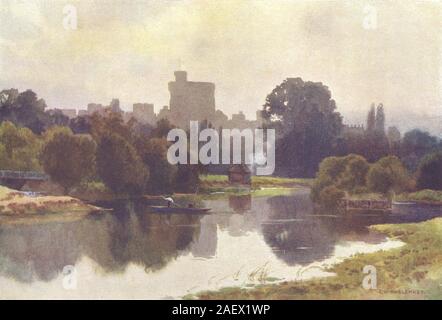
{"x": 415, "y": 145}
{"x": 430, "y": 172}
{"x": 27, "y": 110}
{"x": 19, "y": 148}
{"x": 306, "y": 122}
{"x": 68, "y": 158}
{"x": 120, "y": 166}
{"x": 162, "y": 174}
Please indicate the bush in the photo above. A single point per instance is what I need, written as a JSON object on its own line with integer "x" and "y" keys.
{"x": 430, "y": 172}
{"x": 355, "y": 173}
{"x": 345, "y": 173}
{"x": 388, "y": 175}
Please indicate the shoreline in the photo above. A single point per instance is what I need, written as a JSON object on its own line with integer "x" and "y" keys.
{"x": 412, "y": 271}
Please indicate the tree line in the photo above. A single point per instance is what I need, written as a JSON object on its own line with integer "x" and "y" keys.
{"x": 309, "y": 129}
{"x": 128, "y": 157}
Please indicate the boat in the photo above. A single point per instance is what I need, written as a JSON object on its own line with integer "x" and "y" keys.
{"x": 165, "y": 209}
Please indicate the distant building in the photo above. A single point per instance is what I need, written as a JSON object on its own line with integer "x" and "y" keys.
{"x": 95, "y": 107}
{"x": 240, "y": 174}
{"x": 190, "y": 100}
{"x": 115, "y": 105}
{"x": 144, "y": 113}
{"x": 238, "y": 117}
{"x": 353, "y": 129}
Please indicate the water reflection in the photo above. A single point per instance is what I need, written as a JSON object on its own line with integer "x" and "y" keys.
{"x": 242, "y": 234}
{"x": 39, "y": 252}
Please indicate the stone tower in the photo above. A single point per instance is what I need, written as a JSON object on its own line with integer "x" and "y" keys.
{"x": 190, "y": 100}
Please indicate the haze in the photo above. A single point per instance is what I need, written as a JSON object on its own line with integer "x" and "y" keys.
{"x": 129, "y": 51}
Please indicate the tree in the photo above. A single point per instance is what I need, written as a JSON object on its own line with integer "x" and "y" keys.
{"x": 162, "y": 128}
{"x": 416, "y": 144}
{"x": 344, "y": 173}
{"x": 388, "y": 175}
{"x": 11, "y": 137}
{"x": 68, "y": 159}
{"x": 371, "y": 119}
{"x": 306, "y": 122}
{"x": 20, "y": 148}
{"x": 354, "y": 175}
{"x": 430, "y": 172}
{"x": 380, "y": 119}
{"x": 110, "y": 122}
{"x": 80, "y": 124}
{"x": 119, "y": 165}
{"x": 162, "y": 174}
{"x": 25, "y": 109}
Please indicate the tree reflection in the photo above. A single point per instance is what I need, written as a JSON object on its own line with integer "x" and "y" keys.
{"x": 114, "y": 240}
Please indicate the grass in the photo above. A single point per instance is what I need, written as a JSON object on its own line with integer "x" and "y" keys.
{"x": 367, "y": 196}
{"x": 413, "y": 271}
{"x": 14, "y": 203}
{"x": 216, "y": 182}
{"x": 428, "y": 196}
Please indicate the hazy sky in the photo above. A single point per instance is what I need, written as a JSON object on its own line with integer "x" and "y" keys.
{"x": 129, "y": 50}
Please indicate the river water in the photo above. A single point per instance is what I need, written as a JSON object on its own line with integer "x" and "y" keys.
{"x": 131, "y": 253}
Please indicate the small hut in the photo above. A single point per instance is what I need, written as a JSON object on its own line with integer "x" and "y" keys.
{"x": 240, "y": 174}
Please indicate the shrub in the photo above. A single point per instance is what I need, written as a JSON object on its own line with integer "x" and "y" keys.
{"x": 430, "y": 172}
{"x": 388, "y": 175}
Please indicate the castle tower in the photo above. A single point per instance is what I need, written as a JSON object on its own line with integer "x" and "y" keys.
{"x": 190, "y": 100}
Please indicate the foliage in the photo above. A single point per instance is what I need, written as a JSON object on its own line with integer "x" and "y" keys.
{"x": 68, "y": 158}
{"x": 304, "y": 115}
{"x": 187, "y": 178}
{"x": 345, "y": 173}
{"x": 353, "y": 174}
{"x": 119, "y": 166}
{"x": 415, "y": 145}
{"x": 110, "y": 123}
{"x": 26, "y": 110}
{"x": 430, "y": 172}
{"x": 162, "y": 174}
{"x": 430, "y": 196}
{"x": 19, "y": 148}
{"x": 388, "y": 175}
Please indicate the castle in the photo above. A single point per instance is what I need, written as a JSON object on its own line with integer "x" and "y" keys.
{"x": 189, "y": 100}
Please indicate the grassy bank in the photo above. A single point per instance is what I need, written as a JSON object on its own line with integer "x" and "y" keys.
{"x": 413, "y": 271}
{"x": 16, "y": 204}
{"x": 422, "y": 196}
{"x": 213, "y": 182}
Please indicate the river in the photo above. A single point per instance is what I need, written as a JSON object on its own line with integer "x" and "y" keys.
{"x": 131, "y": 253}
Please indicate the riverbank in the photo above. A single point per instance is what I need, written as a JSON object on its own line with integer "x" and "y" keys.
{"x": 17, "y": 205}
{"x": 211, "y": 183}
{"x": 427, "y": 196}
{"x": 413, "y": 271}
{"x": 211, "y": 186}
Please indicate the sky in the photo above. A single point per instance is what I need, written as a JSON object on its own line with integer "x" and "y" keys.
{"x": 364, "y": 51}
